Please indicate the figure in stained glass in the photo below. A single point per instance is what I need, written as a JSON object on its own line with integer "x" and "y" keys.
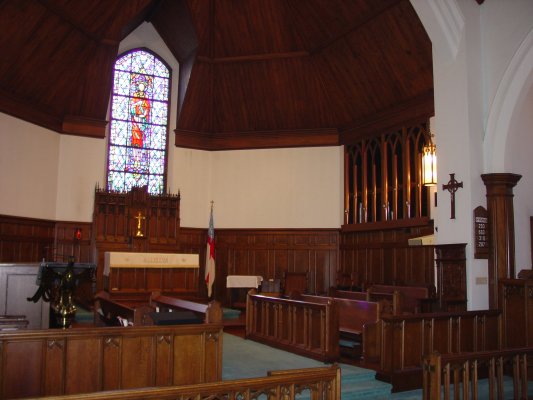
{"x": 139, "y": 123}
{"x": 140, "y": 109}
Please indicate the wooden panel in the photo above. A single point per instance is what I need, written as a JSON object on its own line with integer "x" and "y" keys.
{"x": 54, "y": 366}
{"x": 269, "y": 253}
{"x": 25, "y": 239}
{"x": 21, "y": 369}
{"x": 163, "y": 361}
{"x": 190, "y": 368}
{"x": 86, "y": 379}
{"x": 111, "y": 363}
{"x": 136, "y": 362}
{"x": 93, "y": 359}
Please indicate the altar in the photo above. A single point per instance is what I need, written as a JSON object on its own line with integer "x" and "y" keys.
{"x": 143, "y": 273}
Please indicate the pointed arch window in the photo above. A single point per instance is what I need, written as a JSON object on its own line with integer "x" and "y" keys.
{"x": 138, "y": 137}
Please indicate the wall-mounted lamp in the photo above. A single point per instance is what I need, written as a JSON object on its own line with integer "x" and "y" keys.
{"x": 77, "y": 234}
{"x": 429, "y": 164}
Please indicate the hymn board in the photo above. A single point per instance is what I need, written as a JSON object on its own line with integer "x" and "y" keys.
{"x": 149, "y": 226}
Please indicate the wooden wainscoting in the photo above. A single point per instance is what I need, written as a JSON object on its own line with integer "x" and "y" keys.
{"x": 72, "y": 361}
{"x": 271, "y": 252}
{"x": 383, "y": 256}
{"x": 25, "y": 239}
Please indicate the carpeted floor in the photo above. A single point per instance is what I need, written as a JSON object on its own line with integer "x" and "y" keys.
{"x": 247, "y": 359}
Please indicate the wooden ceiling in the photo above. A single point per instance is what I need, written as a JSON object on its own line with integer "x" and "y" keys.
{"x": 253, "y": 73}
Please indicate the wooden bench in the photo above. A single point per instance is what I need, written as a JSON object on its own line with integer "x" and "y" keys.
{"x": 390, "y": 302}
{"x": 210, "y": 313}
{"x": 307, "y": 328}
{"x": 413, "y": 299}
{"x": 405, "y": 339}
{"x": 111, "y": 312}
{"x": 357, "y": 319}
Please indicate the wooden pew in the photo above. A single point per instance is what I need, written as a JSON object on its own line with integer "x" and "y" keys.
{"x": 310, "y": 329}
{"x": 413, "y": 299}
{"x": 209, "y": 313}
{"x": 405, "y": 339}
{"x": 354, "y": 315}
{"x": 390, "y": 302}
{"x": 110, "y": 311}
{"x": 311, "y": 383}
{"x": 81, "y": 360}
{"x": 438, "y": 381}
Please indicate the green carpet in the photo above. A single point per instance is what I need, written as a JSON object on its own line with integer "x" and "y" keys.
{"x": 248, "y": 359}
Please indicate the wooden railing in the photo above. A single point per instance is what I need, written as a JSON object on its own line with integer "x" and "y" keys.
{"x": 323, "y": 383}
{"x": 305, "y": 328}
{"x": 406, "y": 339}
{"x": 458, "y": 376}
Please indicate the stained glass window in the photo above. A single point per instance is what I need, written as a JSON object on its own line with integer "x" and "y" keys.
{"x": 139, "y": 123}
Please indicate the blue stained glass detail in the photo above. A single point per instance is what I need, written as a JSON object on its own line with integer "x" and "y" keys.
{"x": 122, "y": 83}
{"x": 160, "y": 88}
{"x": 120, "y": 107}
{"x": 119, "y": 133}
{"x": 159, "y": 113}
{"x": 161, "y": 70}
{"x": 158, "y": 139}
{"x": 139, "y": 119}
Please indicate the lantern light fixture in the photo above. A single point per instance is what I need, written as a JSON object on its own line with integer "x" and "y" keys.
{"x": 429, "y": 164}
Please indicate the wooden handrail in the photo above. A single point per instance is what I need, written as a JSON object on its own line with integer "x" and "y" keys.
{"x": 462, "y": 371}
{"x": 322, "y": 383}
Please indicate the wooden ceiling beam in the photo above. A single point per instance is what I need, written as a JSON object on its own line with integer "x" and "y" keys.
{"x": 253, "y": 57}
{"x": 256, "y": 140}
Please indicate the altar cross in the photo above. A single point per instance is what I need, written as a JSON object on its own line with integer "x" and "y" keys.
{"x": 139, "y": 218}
{"x": 452, "y": 186}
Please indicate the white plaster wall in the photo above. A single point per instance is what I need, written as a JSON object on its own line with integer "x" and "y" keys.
{"x": 82, "y": 163}
{"x": 29, "y": 157}
{"x": 278, "y": 188}
{"x": 505, "y": 25}
{"x": 191, "y": 175}
{"x": 518, "y": 160}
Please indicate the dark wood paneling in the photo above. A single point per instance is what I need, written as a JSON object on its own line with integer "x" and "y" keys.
{"x": 75, "y": 361}
{"x": 384, "y": 256}
{"x": 25, "y": 239}
{"x": 271, "y": 252}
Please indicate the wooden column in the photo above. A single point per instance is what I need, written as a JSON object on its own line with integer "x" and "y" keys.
{"x": 501, "y": 219}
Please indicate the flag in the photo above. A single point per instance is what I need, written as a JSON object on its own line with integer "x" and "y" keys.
{"x": 210, "y": 256}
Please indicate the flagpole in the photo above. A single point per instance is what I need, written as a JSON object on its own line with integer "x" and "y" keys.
{"x": 209, "y": 272}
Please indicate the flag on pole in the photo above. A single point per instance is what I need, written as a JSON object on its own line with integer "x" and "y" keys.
{"x": 210, "y": 255}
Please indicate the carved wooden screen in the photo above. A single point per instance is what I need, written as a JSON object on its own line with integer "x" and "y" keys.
{"x": 382, "y": 177}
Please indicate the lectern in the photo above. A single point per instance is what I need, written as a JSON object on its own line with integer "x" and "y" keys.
{"x": 57, "y": 283}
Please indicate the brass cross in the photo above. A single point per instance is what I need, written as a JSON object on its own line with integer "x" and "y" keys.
{"x": 452, "y": 186}
{"x": 139, "y": 218}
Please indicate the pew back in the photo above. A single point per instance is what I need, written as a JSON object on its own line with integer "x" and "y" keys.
{"x": 307, "y": 328}
{"x": 353, "y": 314}
{"x": 82, "y": 360}
{"x": 414, "y": 299}
{"x": 407, "y": 338}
